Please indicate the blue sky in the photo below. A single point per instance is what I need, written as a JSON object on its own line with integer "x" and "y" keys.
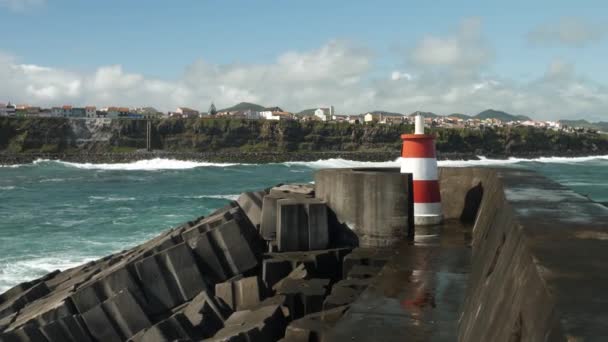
{"x": 542, "y": 58}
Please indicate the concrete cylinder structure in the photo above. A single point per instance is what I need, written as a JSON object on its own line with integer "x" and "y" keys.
{"x": 376, "y": 203}
{"x": 419, "y": 159}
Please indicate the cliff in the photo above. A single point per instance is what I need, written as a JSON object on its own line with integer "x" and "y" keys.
{"x": 236, "y": 136}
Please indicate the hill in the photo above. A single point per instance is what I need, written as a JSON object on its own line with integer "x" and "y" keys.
{"x": 425, "y": 114}
{"x": 243, "y": 106}
{"x": 310, "y": 111}
{"x": 600, "y": 126}
{"x": 500, "y": 115}
{"x": 460, "y": 116}
{"x": 386, "y": 113}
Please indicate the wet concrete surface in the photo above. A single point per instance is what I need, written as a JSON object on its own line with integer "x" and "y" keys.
{"x": 418, "y": 295}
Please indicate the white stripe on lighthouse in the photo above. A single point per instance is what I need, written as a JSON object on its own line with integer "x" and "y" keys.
{"x": 427, "y": 209}
{"x": 420, "y": 168}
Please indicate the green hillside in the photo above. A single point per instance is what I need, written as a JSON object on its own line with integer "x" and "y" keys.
{"x": 460, "y": 116}
{"x": 500, "y": 115}
{"x": 425, "y": 114}
{"x": 243, "y": 106}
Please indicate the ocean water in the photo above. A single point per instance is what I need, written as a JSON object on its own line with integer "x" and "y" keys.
{"x": 56, "y": 215}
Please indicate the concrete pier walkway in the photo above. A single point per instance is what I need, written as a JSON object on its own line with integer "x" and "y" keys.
{"x": 418, "y": 295}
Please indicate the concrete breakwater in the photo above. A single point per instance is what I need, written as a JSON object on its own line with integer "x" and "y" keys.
{"x": 288, "y": 263}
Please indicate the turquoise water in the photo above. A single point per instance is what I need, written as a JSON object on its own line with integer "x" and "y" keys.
{"x": 55, "y": 215}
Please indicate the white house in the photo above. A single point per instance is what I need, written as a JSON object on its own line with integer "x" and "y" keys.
{"x": 186, "y": 112}
{"x": 56, "y": 112}
{"x": 252, "y": 114}
{"x": 268, "y": 115}
{"x": 370, "y": 117}
{"x": 325, "y": 114}
{"x": 90, "y": 111}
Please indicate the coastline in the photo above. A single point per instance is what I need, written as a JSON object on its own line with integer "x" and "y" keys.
{"x": 258, "y": 157}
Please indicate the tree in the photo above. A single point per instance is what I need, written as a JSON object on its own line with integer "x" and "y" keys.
{"x": 212, "y": 110}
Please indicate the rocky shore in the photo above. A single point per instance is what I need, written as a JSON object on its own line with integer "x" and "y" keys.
{"x": 257, "y": 157}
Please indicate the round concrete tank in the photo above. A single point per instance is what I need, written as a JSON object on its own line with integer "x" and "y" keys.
{"x": 376, "y": 203}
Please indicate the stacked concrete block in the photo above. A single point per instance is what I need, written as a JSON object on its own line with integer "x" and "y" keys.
{"x": 173, "y": 328}
{"x": 301, "y": 224}
{"x": 116, "y": 319}
{"x": 304, "y": 296}
{"x": 67, "y": 329}
{"x": 319, "y": 264}
{"x": 345, "y": 292}
{"x": 313, "y": 327}
{"x": 367, "y": 257}
{"x": 192, "y": 233}
{"x": 240, "y": 294}
{"x": 251, "y": 203}
{"x": 228, "y": 250}
{"x": 19, "y": 300}
{"x": 264, "y": 324}
{"x": 268, "y": 226}
{"x": 171, "y": 277}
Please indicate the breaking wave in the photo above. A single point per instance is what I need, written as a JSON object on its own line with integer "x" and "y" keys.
{"x": 174, "y": 164}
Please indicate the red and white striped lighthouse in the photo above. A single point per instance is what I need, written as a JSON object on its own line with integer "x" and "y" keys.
{"x": 419, "y": 159}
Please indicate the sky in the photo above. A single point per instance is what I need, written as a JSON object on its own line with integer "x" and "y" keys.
{"x": 544, "y": 58}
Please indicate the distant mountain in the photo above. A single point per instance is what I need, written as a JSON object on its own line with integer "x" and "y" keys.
{"x": 500, "y": 115}
{"x": 460, "y": 116}
{"x": 307, "y": 112}
{"x": 600, "y": 126}
{"x": 425, "y": 114}
{"x": 243, "y": 106}
{"x": 385, "y": 113}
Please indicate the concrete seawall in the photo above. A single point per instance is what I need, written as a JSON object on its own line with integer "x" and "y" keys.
{"x": 519, "y": 258}
{"x": 539, "y": 259}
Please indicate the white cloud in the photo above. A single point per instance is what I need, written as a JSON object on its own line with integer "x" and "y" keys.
{"x": 21, "y": 5}
{"x": 465, "y": 50}
{"x": 573, "y": 32}
{"x": 337, "y": 73}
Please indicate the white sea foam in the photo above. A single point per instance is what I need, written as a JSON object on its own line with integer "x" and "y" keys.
{"x": 6, "y": 188}
{"x": 13, "y": 272}
{"x": 143, "y": 165}
{"x": 111, "y": 198}
{"x": 232, "y": 197}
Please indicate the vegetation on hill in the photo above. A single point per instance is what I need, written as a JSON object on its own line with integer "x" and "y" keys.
{"x": 460, "y": 116}
{"x": 308, "y": 112}
{"x": 599, "y": 126}
{"x": 39, "y": 135}
{"x": 425, "y": 114}
{"x": 497, "y": 114}
{"x": 243, "y": 106}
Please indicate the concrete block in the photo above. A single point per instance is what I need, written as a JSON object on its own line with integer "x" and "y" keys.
{"x": 116, "y": 319}
{"x": 268, "y": 225}
{"x": 304, "y": 296}
{"x": 20, "y": 300}
{"x": 26, "y": 333}
{"x": 229, "y": 249}
{"x": 301, "y": 224}
{"x": 191, "y": 234}
{"x": 377, "y": 257}
{"x": 172, "y": 277}
{"x": 67, "y": 329}
{"x": 294, "y": 190}
{"x": 206, "y": 314}
{"x": 319, "y": 264}
{"x": 313, "y": 327}
{"x": 240, "y": 294}
{"x": 363, "y": 272}
{"x": 251, "y": 203}
{"x": 264, "y": 324}
{"x": 173, "y": 328}
{"x": 274, "y": 270}
{"x": 376, "y": 203}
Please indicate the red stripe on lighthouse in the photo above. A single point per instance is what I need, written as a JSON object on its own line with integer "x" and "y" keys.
{"x": 418, "y": 148}
{"x": 426, "y": 191}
